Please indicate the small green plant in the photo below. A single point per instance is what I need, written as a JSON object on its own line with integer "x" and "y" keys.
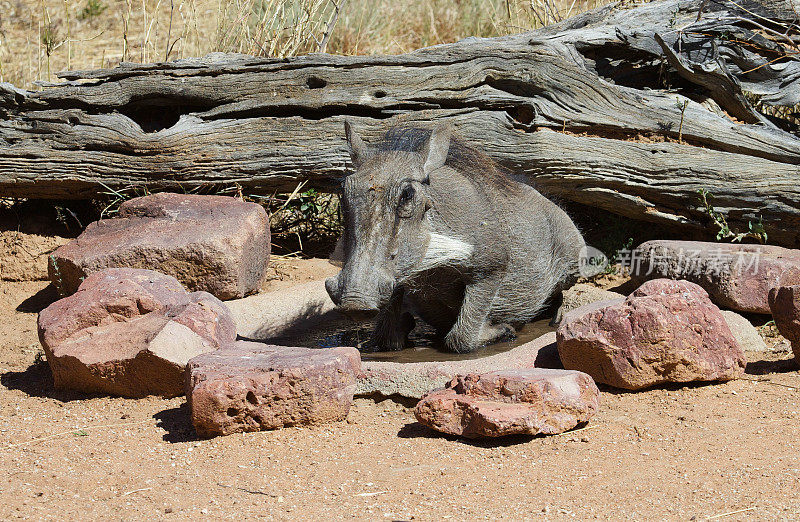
{"x": 308, "y": 217}
{"x": 682, "y": 107}
{"x": 58, "y": 279}
{"x": 613, "y": 265}
{"x": 50, "y": 37}
{"x": 92, "y": 9}
{"x": 755, "y": 230}
{"x": 310, "y": 204}
{"x": 673, "y": 21}
{"x": 115, "y": 198}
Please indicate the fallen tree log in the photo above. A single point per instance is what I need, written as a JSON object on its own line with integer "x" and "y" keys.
{"x": 633, "y": 110}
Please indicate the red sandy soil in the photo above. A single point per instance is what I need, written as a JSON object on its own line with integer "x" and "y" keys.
{"x": 730, "y": 451}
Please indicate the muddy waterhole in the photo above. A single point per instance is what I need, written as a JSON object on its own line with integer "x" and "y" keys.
{"x": 425, "y": 344}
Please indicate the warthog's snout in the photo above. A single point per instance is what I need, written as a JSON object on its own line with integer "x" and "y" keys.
{"x": 332, "y": 286}
{"x": 357, "y": 304}
{"x": 357, "y": 313}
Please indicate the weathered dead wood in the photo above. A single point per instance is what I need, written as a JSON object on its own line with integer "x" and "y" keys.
{"x": 631, "y": 110}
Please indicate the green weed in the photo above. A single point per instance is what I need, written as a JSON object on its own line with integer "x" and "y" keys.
{"x": 755, "y": 229}
{"x": 92, "y": 9}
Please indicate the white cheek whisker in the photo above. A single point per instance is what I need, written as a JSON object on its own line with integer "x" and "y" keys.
{"x": 443, "y": 251}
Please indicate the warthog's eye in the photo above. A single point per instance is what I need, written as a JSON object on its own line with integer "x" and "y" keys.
{"x": 407, "y": 194}
{"x": 405, "y": 205}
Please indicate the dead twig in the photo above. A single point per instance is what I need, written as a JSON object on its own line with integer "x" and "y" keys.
{"x": 370, "y": 494}
{"x": 337, "y": 8}
{"x": 134, "y": 491}
{"x": 579, "y": 429}
{"x": 729, "y": 513}
{"x": 769, "y": 381}
{"x": 251, "y": 491}
{"x": 76, "y": 430}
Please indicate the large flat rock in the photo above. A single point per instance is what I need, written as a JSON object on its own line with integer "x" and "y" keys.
{"x": 286, "y": 313}
{"x": 217, "y": 244}
{"x": 130, "y": 332}
{"x": 248, "y": 386}
{"x": 511, "y": 402}
{"x": 735, "y": 276}
{"x": 413, "y": 380}
{"x": 665, "y": 331}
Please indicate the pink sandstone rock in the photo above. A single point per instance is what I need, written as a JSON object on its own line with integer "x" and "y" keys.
{"x": 217, "y": 244}
{"x": 130, "y": 332}
{"x": 785, "y": 305}
{"x": 735, "y": 276}
{"x": 248, "y": 386}
{"x": 511, "y": 402}
{"x": 665, "y": 331}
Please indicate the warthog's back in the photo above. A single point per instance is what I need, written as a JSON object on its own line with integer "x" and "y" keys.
{"x": 504, "y": 218}
{"x": 544, "y": 247}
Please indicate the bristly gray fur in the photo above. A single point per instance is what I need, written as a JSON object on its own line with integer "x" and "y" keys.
{"x": 435, "y": 223}
{"x": 474, "y": 164}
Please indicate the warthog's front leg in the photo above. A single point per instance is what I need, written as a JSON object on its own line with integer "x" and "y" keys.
{"x": 393, "y": 325}
{"x": 472, "y": 328}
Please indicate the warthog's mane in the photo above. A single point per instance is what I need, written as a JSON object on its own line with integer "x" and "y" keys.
{"x": 470, "y": 162}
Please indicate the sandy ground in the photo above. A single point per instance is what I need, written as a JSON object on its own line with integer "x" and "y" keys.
{"x": 730, "y": 451}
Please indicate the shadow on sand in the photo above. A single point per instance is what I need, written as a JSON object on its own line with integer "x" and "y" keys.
{"x": 416, "y": 430}
{"x": 767, "y": 367}
{"x": 40, "y": 300}
{"x": 37, "y": 381}
{"x": 177, "y": 423}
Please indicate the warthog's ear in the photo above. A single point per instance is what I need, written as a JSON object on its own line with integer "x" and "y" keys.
{"x": 359, "y": 151}
{"x": 435, "y": 151}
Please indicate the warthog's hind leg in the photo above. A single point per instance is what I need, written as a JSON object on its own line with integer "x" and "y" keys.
{"x": 555, "y": 308}
{"x": 495, "y": 333}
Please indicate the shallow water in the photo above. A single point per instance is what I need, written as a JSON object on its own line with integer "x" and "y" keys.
{"x": 426, "y": 345}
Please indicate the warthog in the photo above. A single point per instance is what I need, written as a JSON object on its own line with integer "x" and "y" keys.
{"x": 433, "y": 222}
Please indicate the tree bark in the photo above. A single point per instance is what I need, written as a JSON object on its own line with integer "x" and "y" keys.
{"x": 630, "y": 110}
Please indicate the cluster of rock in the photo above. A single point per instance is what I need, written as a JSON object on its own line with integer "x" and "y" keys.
{"x": 217, "y": 244}
{"x": 738, "y": 277}
{"x": 749, "y": 278}
{"x": 128, "y": 326}
{"x": 248, "y": 386}
{"x": 135, "y": 332}
{"x": 665, "y": 331}
{"x": 130, "y": 332}
{"x": 530, "y": 401}
{"x": 669, "y": 330}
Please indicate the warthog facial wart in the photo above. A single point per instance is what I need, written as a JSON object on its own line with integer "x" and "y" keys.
{"x": 435, "y": 228}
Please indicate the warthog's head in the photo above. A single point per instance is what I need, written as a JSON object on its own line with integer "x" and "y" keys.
{"x": 387, "y": 237}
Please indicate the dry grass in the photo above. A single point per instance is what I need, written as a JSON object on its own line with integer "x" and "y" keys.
{"x": 40, "y": 37}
